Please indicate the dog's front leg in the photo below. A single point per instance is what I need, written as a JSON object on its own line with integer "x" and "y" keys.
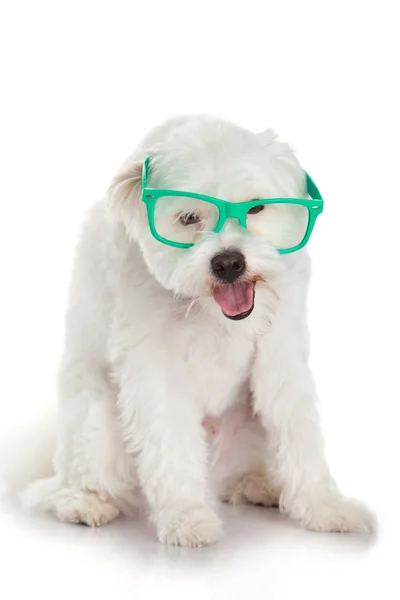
{"x": 163, "y": 429}
{"x": 286, "y": 400}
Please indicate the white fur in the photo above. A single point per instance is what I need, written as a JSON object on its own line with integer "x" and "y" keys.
{"x": 149, "y": 355}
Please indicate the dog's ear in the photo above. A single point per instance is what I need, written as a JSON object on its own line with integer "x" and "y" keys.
{"x": 285, "y": 161}
{"x": 123, "y": 197}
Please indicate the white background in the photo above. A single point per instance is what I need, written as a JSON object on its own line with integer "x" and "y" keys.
{"x": 81, "y": 82}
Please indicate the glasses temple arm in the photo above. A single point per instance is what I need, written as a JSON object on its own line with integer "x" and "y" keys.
{"x": 312, "y": 189}
{"x": 144, "y": 172}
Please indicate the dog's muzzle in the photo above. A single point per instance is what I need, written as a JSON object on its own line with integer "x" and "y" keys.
{"x": 234, "y": 294}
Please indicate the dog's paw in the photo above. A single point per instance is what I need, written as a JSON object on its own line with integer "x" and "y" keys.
{"x": 252, "y": 488}
{"x": 86, "y": 507}
{"x": 193, "y": 528}
{"x": 339, "y": 514}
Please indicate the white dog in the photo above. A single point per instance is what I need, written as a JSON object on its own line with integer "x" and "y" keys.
{"x": 185, "y": 370}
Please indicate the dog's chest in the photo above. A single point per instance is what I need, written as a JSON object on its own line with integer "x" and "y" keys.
{"x": 217, "y": 368}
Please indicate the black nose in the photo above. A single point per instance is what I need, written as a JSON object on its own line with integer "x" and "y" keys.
{"x": 228, "y": 266}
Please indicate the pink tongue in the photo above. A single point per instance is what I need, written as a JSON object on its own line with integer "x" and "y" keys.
{"x": 235, "y": 298}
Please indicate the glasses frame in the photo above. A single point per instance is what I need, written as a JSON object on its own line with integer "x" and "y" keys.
{"x": 231, "y": 210}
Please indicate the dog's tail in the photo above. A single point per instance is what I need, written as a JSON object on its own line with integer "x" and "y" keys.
{"x": 27, "y": 454}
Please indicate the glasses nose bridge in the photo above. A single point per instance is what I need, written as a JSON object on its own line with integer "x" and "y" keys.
{"x": 235, "y": 212}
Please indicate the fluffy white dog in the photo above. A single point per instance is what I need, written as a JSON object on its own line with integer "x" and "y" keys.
{"x": 185, "y": 372}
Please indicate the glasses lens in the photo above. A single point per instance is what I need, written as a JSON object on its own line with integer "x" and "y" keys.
{"x": 283, "y": 225}
{"x": 184, "y": 219}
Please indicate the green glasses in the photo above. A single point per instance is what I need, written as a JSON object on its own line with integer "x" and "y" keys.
{"x": 181, "y": 219}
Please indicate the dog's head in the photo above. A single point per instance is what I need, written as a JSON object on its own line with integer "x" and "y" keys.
{"x": 214, "y": 158}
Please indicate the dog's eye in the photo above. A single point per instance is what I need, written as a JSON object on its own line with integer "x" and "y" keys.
{"x": 255, "y": 210}
{"x": 189, "y": 219}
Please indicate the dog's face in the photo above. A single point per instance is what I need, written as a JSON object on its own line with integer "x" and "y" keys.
{"x": 216, "y": 159}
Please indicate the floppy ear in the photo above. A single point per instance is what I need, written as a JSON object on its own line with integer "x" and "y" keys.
{"x": 123, "y": 197}
{"x": 285, "y": 161}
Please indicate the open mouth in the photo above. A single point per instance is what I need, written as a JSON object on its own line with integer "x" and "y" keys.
{"x": 235, "y": 299}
